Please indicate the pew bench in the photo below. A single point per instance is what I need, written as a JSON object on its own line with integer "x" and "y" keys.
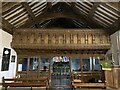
{"x": 26, "y": 82}
{"x": 77, "y": 83}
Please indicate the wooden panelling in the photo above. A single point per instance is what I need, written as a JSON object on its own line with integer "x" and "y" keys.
{"x": 60, "y": 39}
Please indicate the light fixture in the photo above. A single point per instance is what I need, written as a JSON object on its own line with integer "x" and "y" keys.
{"x": 6, "y": 52}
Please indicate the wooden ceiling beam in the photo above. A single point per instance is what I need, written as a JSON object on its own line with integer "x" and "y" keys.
{"x": 49, "y": 5}
{"x": 30, "y": 13}
{"x": 7, "y": 26}
{"x": 66, "y": 13}
{"x": 72, "y": 4}
{"x": 94, "y": 8}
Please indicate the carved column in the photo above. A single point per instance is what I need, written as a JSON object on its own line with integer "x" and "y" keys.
{"x": 86, "y": 39}
{"x": 93, "y": 39}
{"x": 79, "y": 38}
{"x": 49, "y": 39}
{"x": 64, "y": 39}
{"x": 71, "y": 38}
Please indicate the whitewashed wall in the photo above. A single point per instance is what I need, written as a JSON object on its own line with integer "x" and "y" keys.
{"x": 115, "y": 41}
{"x": 5, "y": 40}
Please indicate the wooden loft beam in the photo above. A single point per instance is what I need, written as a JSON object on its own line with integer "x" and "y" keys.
{"x": 51, "y": 14}
{"x": 49, "y": 5}
{"x": 7, "y": 26}
{"x": 72, "y": 4}
{"x": 27, "y": 7}
{"x": 94, "y": 8}
{"x": 31, "y": 14}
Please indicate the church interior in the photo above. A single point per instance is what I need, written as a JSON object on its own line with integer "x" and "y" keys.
{"x": 59, "y": 45}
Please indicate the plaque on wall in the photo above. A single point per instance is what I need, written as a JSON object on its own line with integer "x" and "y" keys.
{"x": 13, "y": 58}
{"x": 6, "y": 59}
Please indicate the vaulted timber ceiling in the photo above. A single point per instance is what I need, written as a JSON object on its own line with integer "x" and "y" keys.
{"x": 66, "y": 14}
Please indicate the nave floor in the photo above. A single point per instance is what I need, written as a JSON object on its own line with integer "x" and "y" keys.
{"x": 36, "y": 88}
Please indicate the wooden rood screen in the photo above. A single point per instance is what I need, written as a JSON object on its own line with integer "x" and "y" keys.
{"x": 60, "y": 39}
{"x": 26, "y": 82}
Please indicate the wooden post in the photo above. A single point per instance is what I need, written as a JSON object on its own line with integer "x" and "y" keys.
{"x": 92, "y": 64}
{"x": 81, "y": 69}
{"x": 28, "y": 65}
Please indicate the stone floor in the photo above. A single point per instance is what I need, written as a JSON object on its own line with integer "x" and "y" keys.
{"x": 22, "y": 88}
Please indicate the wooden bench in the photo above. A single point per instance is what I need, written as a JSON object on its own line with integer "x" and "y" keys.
{"x": 77, "y": 83}
{"x": 26, "y": 82}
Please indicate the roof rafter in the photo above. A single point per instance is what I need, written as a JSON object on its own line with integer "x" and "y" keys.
{"x": 49, "y": 5}
{"x": 7, "y": 26}
{"x": 8, "y": 6}
{"x": 86, "y": 19}
{"x": 105, "y": 5}
{"x": 51, "y": 14}
{"x": 32, "y": 16}
{"x": 94, "y": 8}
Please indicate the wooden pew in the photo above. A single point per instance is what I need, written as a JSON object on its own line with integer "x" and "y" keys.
{"x": 26, "y": 82}
{"x": 77, "y": 83}
{"x": 88, "y": 80}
